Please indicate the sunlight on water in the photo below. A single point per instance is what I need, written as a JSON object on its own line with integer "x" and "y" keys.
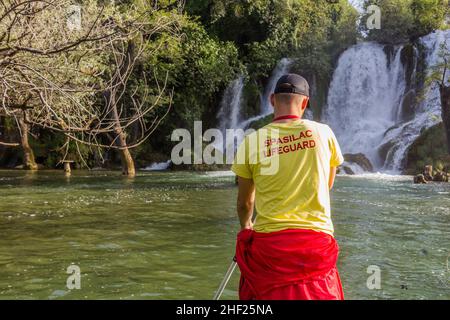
{"x": 167, "y": 235}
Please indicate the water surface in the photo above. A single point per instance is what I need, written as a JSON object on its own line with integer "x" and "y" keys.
{"x": 167, "y": 235}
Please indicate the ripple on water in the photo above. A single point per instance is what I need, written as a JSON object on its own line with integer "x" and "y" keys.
{"x": 171, "y": 236}
{"x": 58, "y": 294}
{"x": 109, "y": 246}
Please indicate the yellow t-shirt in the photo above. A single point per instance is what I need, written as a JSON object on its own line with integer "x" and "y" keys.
{"x": 290, "y": 165}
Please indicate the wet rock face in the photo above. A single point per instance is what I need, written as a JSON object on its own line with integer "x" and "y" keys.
{"x": 359, "y": 159}
{"x": 445, "y": 101}
{"x": 408, "y": 106}
{"x": 345, "y": 170}
{"x": 420, "y": 178}
{"x": 428, "y": 173}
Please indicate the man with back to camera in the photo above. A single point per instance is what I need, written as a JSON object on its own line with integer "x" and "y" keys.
{"x": 289, "y": 252}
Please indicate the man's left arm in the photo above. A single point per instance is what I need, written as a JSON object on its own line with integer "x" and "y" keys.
{"x": 333, "y": 171}
{"x": 246, "y": 202}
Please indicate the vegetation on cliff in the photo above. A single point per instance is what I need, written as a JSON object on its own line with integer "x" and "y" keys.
{"x": 429, "y": 149}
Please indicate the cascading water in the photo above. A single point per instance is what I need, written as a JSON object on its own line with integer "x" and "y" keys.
{"x": 266, "y": 108}
{"x": 229, "y": 115}
{"x": 158, "y": 166}
{"x": 281, "y": 69}
{"x": 363, "y": 96}
{"x": 365, "y": 99}
{"x": 427, "y": 112}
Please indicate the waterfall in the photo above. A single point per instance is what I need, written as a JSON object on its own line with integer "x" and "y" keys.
{"x": 229, "y": 115}
{"x": 281, "y": 68}
{"x": 158, "y": 166}
{"x": 427, "y": 112}
{"x": 365, "y": 99}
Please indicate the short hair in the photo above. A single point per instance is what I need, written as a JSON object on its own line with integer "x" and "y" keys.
{"x": 287, "y": 98}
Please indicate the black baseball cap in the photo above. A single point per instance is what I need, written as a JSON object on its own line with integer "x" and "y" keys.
{"x": 292, "y": 83}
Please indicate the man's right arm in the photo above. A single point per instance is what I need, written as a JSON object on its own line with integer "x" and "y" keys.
{"x": 245, "y": 202}
{"x": 246, "y": 193}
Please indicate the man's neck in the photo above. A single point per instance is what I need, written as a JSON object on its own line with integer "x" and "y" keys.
{"x": 286, "y": 113}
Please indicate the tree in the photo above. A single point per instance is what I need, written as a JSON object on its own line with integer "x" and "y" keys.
{"x": 405, "y": 20}
{"x": 198, "y": 67}
{"x": 429, "y": 15}
{"x": 55, "y": 80}
{"x": 42, "y": 78}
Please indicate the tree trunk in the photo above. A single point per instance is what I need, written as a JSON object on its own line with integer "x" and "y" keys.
{"x": 28, "y": 156}
{"x": 445, "y": 100}
{"x": 128, "y": 168}
{"x": 111, "y": 96}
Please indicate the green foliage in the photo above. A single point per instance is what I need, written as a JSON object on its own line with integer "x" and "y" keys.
{"x": 198, "y": 67}
{"x": 404, "y": 20}
{"x": 429, "y": 15}
{"x": 238, "y": 21}
{"x": 50, "y": 149}
{"x": 267, "y": 30}
{"x": 261, "y": 122}
{"x": 311, "y": 32}
{"x": 441, "y": 69}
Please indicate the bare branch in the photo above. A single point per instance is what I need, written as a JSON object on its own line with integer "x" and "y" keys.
{"x": 9, "y": 144}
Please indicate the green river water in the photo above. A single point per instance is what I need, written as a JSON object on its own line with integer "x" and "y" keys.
{"x": 166, "y": 235}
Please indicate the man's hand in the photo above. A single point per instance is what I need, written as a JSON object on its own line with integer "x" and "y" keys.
{"x": 247, "y": 226}
{"x": 245, "y": 202}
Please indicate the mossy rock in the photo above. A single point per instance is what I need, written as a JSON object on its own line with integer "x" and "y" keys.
{"x": 360, "y": 159}
{"x": 261, "y": 122}
{"x": 407, "y": 57}
{"x": 429, "y": 149}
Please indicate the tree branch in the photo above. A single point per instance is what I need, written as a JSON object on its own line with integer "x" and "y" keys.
{"x": 9, "y": 144}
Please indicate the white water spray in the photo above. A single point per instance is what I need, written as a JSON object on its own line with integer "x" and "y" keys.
{"x": 229, "y": 115}
{"x": 158, "y": 166}
{"x": 281, "y": 69}
{"x": 365, "y": 98}
{"x": 364, "y": 94}
{"x": 266, "y": 107}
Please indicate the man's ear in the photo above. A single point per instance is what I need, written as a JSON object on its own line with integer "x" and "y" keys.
{"x": 272, "y": 100}
{"x": 305, "y": 103}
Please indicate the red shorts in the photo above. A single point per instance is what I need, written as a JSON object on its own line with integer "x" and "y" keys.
{"x": 288, "y": 265}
